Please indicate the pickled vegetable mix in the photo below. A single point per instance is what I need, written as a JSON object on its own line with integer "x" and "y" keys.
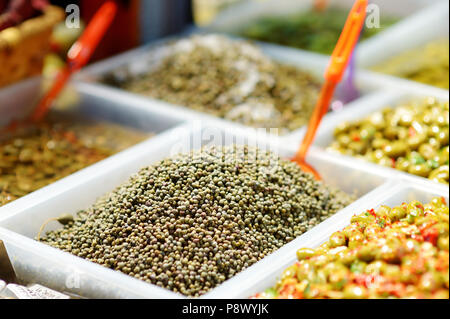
{"x": 311, "y": 30}
{"x": 399, "y": 252}
{"x": 413, "y": 137}
{"x": 429, "y": 64}
{"x": 36, "y": 156}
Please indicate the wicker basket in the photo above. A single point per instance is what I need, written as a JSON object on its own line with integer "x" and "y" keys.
{"x": 23, "y": 48}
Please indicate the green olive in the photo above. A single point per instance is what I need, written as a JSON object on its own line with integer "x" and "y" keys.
{"x": 395, "y": 149}
{"x": 342, "y": 128}
{"x": 402, "y": 164}
{"x": 443, "y": 242}
{"x": 420, "y": 169}
{"x": 305, "y": 253}
{"x": 289, "y": 272}
{"x": 355, "y": 241}
{"x": 441, "y": 173}
{"x": 357, "y": 147}
{"x": 344, "y": 140}
{"x": 427, "y": 151}
{"x": 364, "y": 218}
{"x": 442, "y": 137}
{"x": 376, "y": 267}
{"x": 379, "y": 143}
{"x": 367, "y": 253}
{"x": 397, "y": 213}
{"x": 337, "y": 239}
{"x": 415, "y": 141}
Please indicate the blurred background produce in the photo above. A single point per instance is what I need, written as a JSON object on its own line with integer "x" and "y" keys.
{"x": 312, "y": 30}
{"x": 428, "y": 64}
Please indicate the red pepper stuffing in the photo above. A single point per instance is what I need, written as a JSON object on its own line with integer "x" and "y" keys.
{"x": 393, "y": 163}
{"x": 431, "y": 235}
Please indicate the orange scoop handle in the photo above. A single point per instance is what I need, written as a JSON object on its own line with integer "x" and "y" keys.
{"x": 333, "y": 75}
{"x": 78, "y": 55}
{"x": 82, "y": 50}
{"x": 347, "y": 41}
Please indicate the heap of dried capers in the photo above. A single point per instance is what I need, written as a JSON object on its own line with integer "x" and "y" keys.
{"x": 34, "y": 156}
{"x": 412, "y": 137}
{"x": 429, "y": 64}
{"x": 230, "y": 79}
{"x": 194, "y": 220}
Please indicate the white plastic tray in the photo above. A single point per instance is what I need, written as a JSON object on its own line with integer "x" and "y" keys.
{"x": 34, "y": 261}
{"x": 266, "y": 273}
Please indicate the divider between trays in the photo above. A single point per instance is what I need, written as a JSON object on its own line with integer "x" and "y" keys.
{"x": 264, "y": 274}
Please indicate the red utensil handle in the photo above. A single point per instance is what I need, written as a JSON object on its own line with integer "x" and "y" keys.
{"x": 82, "y": 50}
{"x": 347, "y": 41}
{"x": 333, "y": 75}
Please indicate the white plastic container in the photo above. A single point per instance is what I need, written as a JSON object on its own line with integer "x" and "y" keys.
{"x": 237, "y": 16}
{"x": 34, "y": 261}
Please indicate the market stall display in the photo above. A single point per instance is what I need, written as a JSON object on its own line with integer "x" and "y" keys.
{"x": 231, "y": 79}
{"x": 37, "y": 155}
{"x": 212, "y": 207}
{"x": 398, "y": 252}
{"x": 428, "y": 64}
{"x": 411, "y": 137}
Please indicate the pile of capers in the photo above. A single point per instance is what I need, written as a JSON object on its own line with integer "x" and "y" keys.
{"x": 192, "y": 221}
{"x": 227, "y": 78}
{"x": 413, "y": 137}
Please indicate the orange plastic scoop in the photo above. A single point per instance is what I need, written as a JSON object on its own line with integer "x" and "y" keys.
{"x": 333, "y": 75}
{"x": 78, "y": 55}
